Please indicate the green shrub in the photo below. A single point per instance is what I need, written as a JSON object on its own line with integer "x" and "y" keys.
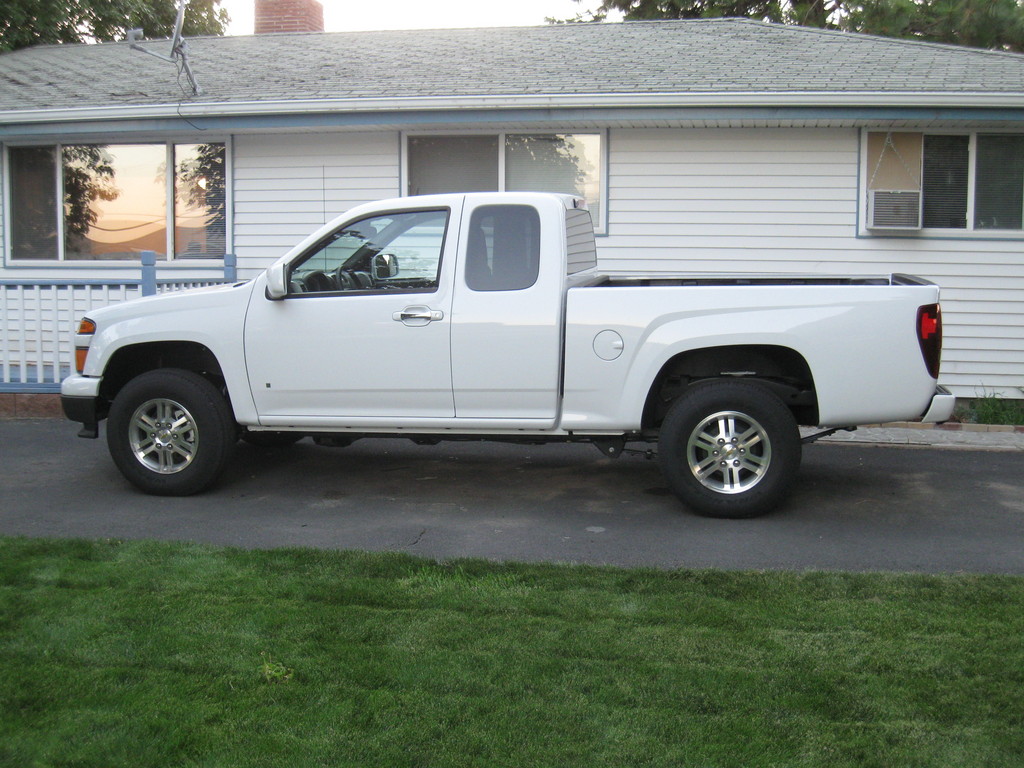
{"x": 993, "y": 409}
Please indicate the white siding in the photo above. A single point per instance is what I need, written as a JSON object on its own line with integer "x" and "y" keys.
{"x": 784, "y": 200}
{"x": 287, "y": 185}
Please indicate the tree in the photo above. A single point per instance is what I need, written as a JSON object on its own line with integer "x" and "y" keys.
{"x": 35, "y": 22}
{"x": 993, "y": 24}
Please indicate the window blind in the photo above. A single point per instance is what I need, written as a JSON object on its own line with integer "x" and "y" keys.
{"x": 944, "y": 182}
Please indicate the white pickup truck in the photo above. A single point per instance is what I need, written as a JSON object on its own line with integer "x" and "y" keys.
{"x": 485, "y": 316}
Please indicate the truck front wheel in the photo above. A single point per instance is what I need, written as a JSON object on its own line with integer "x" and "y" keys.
{"x": 730, "y": 449}
{"x": 170, "y": 432}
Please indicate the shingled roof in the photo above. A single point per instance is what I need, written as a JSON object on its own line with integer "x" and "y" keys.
{"x": 656, "y": 63}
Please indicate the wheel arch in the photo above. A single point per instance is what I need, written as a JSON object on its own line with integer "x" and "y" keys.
{"x": 134, "y": 359}
{"x": 781, "y": 369}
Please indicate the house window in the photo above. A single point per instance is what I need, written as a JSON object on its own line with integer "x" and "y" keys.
{"x": 568, "y": 163}
{"x": 955, "y": 182}
{"x": 109, "y": 202}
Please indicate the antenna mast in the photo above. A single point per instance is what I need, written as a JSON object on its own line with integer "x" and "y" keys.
{"x": 179, "y": 49}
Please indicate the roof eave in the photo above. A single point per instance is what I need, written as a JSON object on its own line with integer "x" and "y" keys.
{"x": 782, "y": 99}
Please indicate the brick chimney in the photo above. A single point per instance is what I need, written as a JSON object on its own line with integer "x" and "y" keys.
{"x": 289, "y": 16}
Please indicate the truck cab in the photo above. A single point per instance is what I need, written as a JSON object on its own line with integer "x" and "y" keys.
{"x": 435, "y": 315}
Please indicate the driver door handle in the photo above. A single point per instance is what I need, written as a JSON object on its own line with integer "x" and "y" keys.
{"x": 418, "y": 315}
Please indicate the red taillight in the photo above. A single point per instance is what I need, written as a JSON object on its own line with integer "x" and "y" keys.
{"x": 929, "y": 334}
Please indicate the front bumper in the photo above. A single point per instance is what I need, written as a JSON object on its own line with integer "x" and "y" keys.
{"x": 941, "y": 407}
{"x": 81, "y": 401}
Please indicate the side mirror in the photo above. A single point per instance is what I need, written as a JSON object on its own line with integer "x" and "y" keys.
{"x": 277, "y": 285}
{"x": 384, "y": 266}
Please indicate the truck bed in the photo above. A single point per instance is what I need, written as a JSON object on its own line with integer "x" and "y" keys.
{"x": 855, "y": 333}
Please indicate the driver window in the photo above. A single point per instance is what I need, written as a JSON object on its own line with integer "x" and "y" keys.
{"x": 390, "y": 252}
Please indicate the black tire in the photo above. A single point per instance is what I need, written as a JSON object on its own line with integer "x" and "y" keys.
{"x": 272, "y": 439}
{"x": 171, "y": 432}
{"x": 730, "y": 449}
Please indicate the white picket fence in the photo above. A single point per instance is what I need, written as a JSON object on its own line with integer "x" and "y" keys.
{"x": 38, "y": 320}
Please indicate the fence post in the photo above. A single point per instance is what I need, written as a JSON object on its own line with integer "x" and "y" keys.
{"x": 230, "y": 267}
{"x": 148, "y": 273}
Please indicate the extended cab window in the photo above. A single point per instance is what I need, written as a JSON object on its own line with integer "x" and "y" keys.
{"x": 503, "y": 252}
{"x": 390, "y": 252}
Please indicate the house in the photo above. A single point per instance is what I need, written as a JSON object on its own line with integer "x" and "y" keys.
{"x": 717, "y": 145}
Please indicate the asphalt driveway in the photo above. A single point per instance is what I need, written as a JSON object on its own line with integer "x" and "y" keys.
{"x": 857, "y": 507}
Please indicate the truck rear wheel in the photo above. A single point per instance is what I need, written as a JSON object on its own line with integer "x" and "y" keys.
{"x": 730, "y": 449}
{"x": 170, "y": 432}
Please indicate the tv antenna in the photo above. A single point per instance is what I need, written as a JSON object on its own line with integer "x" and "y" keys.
{"x": 179, "y": 49}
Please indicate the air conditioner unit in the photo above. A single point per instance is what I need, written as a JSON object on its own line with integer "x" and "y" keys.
{"x": 894, "y": 209}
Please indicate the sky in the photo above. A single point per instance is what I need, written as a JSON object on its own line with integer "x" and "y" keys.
{"x": 342, "y": 15}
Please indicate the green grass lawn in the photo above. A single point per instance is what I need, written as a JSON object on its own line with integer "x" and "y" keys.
{"x": 154, "y": 654}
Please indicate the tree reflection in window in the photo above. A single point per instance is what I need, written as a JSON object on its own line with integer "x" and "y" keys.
{"x": 88, "y": 175}
{"x": 544, "y": 163}
{"x": 200, "y": 213}
{"x": 115, "y": 200}
{"x": 566, "y": 163}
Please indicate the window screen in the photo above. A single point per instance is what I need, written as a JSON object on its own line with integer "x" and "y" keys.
{"x": 34, "y": 202}
{"x": 503, "y": 252}
{"x": 946, "y": 160}
{"x": 999, "y": 200}
{"x": 453, "y": 164}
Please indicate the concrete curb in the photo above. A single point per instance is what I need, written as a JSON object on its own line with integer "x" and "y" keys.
{"x": 949, "y": 426}
{"x": 999, "y": 439}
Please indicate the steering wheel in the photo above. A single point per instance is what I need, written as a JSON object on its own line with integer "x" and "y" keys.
{"x": 318, "y": 281}
{"x": 345, "y": 280}
{"x": 363, "y": 280}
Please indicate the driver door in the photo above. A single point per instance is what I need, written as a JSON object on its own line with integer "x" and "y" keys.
{"x": 362, "y": 336}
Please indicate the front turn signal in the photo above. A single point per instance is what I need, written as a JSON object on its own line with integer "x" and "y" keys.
{"x": 86, "y": 328}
